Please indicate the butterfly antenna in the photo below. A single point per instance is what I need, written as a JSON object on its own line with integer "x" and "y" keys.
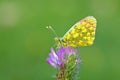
{"x": 50, "y": 28}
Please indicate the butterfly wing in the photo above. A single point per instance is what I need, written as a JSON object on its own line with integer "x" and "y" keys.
{"x": 82, "y": 33}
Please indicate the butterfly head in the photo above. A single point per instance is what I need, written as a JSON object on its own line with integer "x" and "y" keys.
{"x": 59, "y": 41}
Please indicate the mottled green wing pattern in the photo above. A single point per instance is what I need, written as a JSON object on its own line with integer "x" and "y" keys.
{"x": 81, "y": 34}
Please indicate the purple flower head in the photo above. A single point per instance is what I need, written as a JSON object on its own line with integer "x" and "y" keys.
{"x": 60, "y": 56}
{"x": 66, "y": 60}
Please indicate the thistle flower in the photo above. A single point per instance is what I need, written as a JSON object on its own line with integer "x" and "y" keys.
{"x": 66, "y": 61}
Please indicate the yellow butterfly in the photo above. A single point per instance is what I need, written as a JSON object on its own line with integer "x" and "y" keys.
{"x": 80, "y": 34}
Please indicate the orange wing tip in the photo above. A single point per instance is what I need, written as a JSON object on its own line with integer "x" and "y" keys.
{"x": 90, "y": 20}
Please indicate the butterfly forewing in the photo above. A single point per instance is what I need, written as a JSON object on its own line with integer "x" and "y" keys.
{"x": 82, "y": 33}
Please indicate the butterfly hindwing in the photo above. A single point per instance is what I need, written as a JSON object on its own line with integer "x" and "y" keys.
{"x": 82, "y": 33}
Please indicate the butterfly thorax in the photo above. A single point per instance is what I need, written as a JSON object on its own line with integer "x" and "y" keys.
{"x": 60, "y": 42}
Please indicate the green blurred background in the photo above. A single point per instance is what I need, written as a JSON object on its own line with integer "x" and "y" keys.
{"x": 25, "y": 41}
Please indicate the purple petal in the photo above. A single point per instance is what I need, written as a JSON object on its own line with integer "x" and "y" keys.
{"x": 48, "y": 60}
{"x": 60, "y": 52}
{"x": 53, "y": 57}
{"x": 68, "y": 50}
{"x": 53, "y": 53}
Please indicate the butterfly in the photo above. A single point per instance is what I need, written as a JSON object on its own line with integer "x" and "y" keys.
{"x": 80, "y": 34}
